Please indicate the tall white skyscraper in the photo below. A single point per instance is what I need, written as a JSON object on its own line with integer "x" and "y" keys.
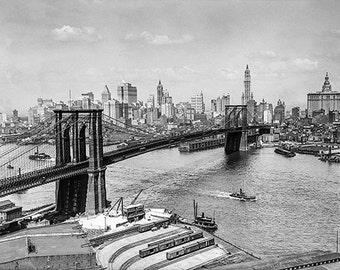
{"x": 197, "y": 103}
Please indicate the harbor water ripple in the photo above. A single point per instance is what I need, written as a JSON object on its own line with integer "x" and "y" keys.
{"x": 297, "y": 207}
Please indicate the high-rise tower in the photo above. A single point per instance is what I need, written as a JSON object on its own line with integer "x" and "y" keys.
{"x": 246, "y": 96}
{"x": 160, "y": 94}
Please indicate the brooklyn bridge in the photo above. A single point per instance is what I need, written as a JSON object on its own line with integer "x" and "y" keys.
{"x": 80, "y": 158}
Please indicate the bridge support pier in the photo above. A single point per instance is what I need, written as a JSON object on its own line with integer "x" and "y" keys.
{"x": 244, "y": 141}
{"x": 96, "y": 191}
{"x": 232, "y": 142}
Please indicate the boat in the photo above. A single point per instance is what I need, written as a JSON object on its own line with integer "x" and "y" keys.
{"x": 203, "y": 222}
{"x": 242, "y": 196}
{"x": 284, "y": 152}
{"x": 203, "y": 144}
{"x": 9, "y": 166}
{"x": 39, "y": 156}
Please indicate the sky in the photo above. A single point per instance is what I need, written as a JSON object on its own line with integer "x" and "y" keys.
{"x": 49, "y": 47}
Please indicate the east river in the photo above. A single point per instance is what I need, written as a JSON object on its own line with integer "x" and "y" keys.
{"x": 297, "y": 207}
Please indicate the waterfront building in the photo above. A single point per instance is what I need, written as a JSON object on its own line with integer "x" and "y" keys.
{"x": 197, "y": 103}
{"x": 127, "y": 93}
{"x": 8, "y": 211}
{"x": 106, "y": 94}
{"x": 326, "y": 99}
{"x": 160, "y": 93}
{"x": 279, "y": 112}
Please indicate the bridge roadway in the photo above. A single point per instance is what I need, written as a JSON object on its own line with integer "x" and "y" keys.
{"x": 40, "y": 177}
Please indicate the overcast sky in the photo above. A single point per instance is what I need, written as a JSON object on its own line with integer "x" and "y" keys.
{"x": 50, "y": 47}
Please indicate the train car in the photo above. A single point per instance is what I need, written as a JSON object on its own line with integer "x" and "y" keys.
{"x": 166, "y": 245}
{"x": 206, "y": 242}
{"x": 196, "y": 235}
{"x": 191, "y": 248}
{"x": 146, "y": 227}
{"x": 169, "y": 238}
{"x": 181, "y": 240}
{"x": 148, "y": 251}
{"x": 175, "y": 253}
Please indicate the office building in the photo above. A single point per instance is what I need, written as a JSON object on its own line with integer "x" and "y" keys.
{"x": 106, "y": 95}
{"x": 197, "y": 103}
{"x": 326, "y": 99}
{"x": 127, "y": 93}
{"x": 279, "y": 112}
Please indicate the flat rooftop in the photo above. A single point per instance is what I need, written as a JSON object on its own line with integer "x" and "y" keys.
{"x": 62, "y": 239}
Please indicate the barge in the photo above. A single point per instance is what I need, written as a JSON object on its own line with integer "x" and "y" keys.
{"x": 284, "y": 152}
{"x": 203, "y": 144}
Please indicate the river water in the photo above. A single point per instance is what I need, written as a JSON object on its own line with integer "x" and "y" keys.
{"x": 297, "y": 207}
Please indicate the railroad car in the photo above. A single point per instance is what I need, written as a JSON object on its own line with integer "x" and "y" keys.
{"x": 196, "y": 235}
{"x": 169, "y": 238}
{"x": 148, "y": 251}
{"x": 146, "y": 227}
{"x": 182, "y": 240}
{"x": 166, "y": 245}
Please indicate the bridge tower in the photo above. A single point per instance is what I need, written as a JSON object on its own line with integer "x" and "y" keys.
{"x": 236, "y": 125}
{"x": 86, "y": 193}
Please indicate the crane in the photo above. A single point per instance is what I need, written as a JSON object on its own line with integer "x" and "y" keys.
{"x": 135, "y": 199}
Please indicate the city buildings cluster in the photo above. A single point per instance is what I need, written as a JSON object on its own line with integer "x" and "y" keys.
{"x": 160, "y": 109}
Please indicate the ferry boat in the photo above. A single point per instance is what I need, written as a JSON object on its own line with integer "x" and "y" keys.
{"x": 202, "y": 144}
{"x": 284, "y": 152}
{"x": 39, "y": 156}
{"x": 203, "y": 222}
{"x": 242, "y": 196}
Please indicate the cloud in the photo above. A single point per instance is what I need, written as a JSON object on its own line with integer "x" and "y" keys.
{"x": 306, "y": 64}
{"x": 230, "y": 73}
{"x": 159, "y": 39}
{"x": 269, "y": 54}
{"x": 70, "y": 34}
{"x": 335, "y": 31}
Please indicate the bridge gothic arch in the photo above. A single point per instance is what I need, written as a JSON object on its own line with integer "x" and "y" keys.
{"x": 86, "y": 193}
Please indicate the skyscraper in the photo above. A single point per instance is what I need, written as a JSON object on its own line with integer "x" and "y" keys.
{"x": 127, "y": 93}
{"x": 150, "y": 102}
{"x": 279, "y": 111}
{"x": 246, "y": 96}
{"x": 160, "y": 94}
{"x": 106, "y": 95}
{"x": 197, "y": 103}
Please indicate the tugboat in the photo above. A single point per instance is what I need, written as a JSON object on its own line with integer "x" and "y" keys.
{"x": 205, "y": 223}
{"x": 39, "y": 156}
{"x": 284, "y": 152}
{"x": 242, "y": 196}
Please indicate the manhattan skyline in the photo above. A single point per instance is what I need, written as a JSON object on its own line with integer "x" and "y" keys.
{"x": 48, "y": 48}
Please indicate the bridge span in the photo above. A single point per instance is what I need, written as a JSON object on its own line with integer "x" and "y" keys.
{"x": 80, "y": 180}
